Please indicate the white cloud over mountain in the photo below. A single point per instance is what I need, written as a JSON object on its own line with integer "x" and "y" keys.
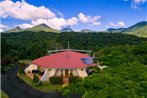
{"x": 56, "y": 23}
{"x": 119, "y": 24}
{"x": 21, "y": 10}
{"x": 25, "y": 25}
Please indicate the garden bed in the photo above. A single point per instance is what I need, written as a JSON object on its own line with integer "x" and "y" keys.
{"x": 44, "y": 87}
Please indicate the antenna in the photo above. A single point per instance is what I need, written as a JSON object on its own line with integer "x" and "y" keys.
{"x": 68, "y": 45}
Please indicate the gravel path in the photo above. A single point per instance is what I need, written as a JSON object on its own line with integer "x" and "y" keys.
{"x": 16, "y": 88}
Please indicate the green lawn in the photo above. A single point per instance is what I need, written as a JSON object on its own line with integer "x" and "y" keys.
{"x": 45, "y": 87}
{"x": 4, "y": 95}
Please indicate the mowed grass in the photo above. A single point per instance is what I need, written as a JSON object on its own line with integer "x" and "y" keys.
{"x": 44, "y": 87}
{"x": 4, "y": 95}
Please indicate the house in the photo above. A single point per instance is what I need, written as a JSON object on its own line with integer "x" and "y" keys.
{"x": 64, "y": 63}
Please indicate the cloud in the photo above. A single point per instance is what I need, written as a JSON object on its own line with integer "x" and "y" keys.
{"x": 3, "y": 27}
{"x": 58, "y": 13}
{"x": 83, "y": 18}
{"x": 139, "y": 1}
{"x": 112, "y": 24}
{"x": 56, "y": 23}
{"x": 136, "y": 3}
{"x": 89, "y": 19}
{"x": 40, "y": 14}
{"x": 24, "y": 11}
{"x": 59, "y": 23}
{"x": 1, "y": 30}
{"x": 25, "y": 25}
{"x": 72, "y": 21}
{"x": 96, "y": 23}
{"x": 119, "y": 24}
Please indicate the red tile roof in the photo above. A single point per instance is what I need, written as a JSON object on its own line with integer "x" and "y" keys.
{"x": 66, "y": 60}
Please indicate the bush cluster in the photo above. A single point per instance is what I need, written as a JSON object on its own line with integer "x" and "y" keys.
{"x": 56, "y": 80}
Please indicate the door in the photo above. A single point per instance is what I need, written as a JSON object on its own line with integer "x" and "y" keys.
{"x": 66, "y": 72}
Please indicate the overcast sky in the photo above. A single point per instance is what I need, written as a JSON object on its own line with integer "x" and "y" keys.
{"x": 79, "y": 14}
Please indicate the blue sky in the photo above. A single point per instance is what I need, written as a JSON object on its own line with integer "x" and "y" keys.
{"x": 79, "y": 14}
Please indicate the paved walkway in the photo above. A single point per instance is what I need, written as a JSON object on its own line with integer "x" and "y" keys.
{"x": 16, "y": 88}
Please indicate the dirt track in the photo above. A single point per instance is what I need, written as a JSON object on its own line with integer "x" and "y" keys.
{"x": 16, "y": 88}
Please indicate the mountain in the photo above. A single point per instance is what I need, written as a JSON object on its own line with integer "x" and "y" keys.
{"x": 113, "y": 30}
{"x": 67, "y": 29}
{"x": 42, "y": 27}
{"x": 139, "y": 29}
{"x": 87, "y": 31}
{"x": 16, "y": 29}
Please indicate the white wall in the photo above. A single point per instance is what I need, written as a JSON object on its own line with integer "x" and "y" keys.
{"x": 75, "y": 72}
{"x": 82, "y": 73}
{"x": 30, "y": 68}
{"x": 58, "y": 72}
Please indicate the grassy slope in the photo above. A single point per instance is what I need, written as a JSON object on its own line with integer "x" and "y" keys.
{"x": 40, "y": 28}
{"x": 4, "y": 95}
{"x": 140, "y": 31}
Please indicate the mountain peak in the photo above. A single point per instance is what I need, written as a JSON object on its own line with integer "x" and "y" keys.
{"x": 18, "y": 28}
{"x": 67, "y": 29}
{"x": 43, "y": 24}
{"x": 138, "y": 29}
{"x": 43, "y": 27}
{"x": 139, "y": 24}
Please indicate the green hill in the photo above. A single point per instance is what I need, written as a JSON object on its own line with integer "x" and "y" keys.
{"x": 42, "y": 27}
{"x": 139, "y": 29}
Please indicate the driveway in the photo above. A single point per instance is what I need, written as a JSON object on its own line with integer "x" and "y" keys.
{"x": 16, "y": 88}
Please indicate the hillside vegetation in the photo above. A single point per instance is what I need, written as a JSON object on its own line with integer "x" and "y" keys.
{"x": 139, "y": 29}
{"x": 125, "y": 76}
{"x": 42, "y": 27}
{"x": 125, "y": 55}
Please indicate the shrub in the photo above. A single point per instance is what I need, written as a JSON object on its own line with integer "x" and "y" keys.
{"x": 56, "y": 80}
{"x": 40, "y": 83}
{"x": 20, "y": 69}
{"x": 73, "y": 79}
{"x": 35, "y": 79}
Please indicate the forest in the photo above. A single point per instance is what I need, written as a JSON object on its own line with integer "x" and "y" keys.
{"x": 125, "y": 76}
{"x": 125, "y": 55}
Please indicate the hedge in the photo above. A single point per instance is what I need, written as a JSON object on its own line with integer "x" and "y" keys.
{"x": 73, "y": 79}
{"x": 56, "y": 80}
